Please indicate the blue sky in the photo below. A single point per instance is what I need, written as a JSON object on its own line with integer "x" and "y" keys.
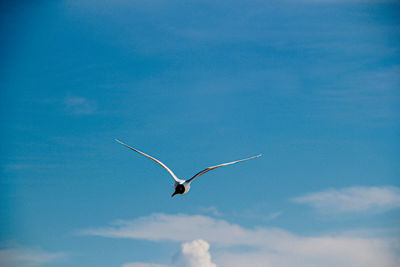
{"x": 313, "y": 85}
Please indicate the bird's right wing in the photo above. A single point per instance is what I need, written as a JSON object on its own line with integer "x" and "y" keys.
{"x": 154, "y": 159}
{"x": 217, "y": 166}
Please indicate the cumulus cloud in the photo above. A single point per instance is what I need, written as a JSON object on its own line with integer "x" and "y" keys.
{"x": 265, "y": 246}
{"x": 192, "y": 254}
{"x": 79, "y": 105}
{"x": 353, "y": 199}
{"x": 25, "y": 257}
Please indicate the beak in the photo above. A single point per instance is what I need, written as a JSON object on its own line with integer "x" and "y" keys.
{"x": 173, "y": 194}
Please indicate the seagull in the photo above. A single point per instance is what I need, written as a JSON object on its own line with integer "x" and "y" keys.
{"x": 183, "y": 186}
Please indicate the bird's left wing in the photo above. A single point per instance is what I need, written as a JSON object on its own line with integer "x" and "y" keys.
{"x": 220, "y": 165}
{"x": 154, "y": 159}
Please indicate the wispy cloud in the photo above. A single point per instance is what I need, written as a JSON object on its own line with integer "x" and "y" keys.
{"x": 255, "y": 212}
{"x": 210, "y": 210}
{"x": 79, "y": 105}
{"x": 26, "y": 257}
{"x": 353, "y": 199}
{"x": 273, "y": 215}
{"x": 362, "y": 95}
{"x": 266, "y": 246}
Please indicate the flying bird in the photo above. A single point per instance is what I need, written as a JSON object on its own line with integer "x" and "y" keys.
{"x": 183, "y": 186}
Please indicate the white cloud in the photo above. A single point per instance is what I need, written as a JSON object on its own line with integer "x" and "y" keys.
{"x": 353, "y": 199}
{"x": 264, "y": 246}
{"x": 25, "y": 257}
{"x": 192, "y": 254}
{"x": 79, "y": 105}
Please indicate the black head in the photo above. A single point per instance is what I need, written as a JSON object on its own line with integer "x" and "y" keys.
{"x": 179, "y": 189}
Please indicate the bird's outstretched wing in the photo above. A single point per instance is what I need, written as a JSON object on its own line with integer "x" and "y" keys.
{"x": 220, "y": 165}
{"x": 156, "y": 160}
